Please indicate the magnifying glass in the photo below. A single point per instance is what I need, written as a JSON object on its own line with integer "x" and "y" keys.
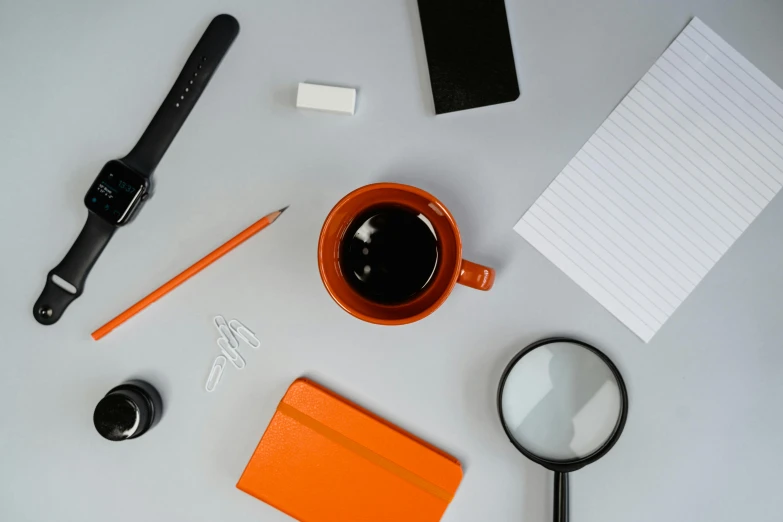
{"x": 563, "y": 404}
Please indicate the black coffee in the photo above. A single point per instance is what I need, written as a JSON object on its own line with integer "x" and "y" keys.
{"x": 389, "y": 254}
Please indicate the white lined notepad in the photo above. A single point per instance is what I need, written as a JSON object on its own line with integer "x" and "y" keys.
{"x": 668, "y": 182}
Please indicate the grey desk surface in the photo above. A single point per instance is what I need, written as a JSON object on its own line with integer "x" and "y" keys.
{"x": 80, "y": 81}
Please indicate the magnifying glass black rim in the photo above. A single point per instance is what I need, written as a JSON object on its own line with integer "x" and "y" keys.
{"x": 566, "y": 466}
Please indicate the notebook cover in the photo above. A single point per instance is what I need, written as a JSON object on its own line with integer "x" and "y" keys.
{"x": 325, "y": 459}
{"x": 469, "y": 53}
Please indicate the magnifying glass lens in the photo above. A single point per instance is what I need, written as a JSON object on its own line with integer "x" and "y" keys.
{"x": 561, "y": 402}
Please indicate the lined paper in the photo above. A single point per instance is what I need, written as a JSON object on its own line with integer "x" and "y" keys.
{"x": 668, "y": 182}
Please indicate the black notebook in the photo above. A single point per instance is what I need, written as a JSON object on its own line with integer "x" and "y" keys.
{"x": 469, "y": 53}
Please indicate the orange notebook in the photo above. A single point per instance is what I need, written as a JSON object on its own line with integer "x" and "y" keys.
{"x": 325, "y": 459}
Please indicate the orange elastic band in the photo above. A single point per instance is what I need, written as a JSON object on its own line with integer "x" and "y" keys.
{"x": 363, "y": 451}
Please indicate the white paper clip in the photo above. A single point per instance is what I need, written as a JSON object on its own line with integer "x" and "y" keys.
{"x": 215, "y": 373}
{"x": 225, "y": 332}
{"x": 234, "y": 356}
{"x": 244, "y": 333}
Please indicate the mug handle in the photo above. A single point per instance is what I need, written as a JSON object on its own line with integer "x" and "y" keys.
{"x": 476, "y": 276}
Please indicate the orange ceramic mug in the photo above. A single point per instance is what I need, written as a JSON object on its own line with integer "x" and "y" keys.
{"x": 450, "y": 269}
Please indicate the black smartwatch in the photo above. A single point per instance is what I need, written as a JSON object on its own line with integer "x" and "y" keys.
{"x": 124, "y": 185}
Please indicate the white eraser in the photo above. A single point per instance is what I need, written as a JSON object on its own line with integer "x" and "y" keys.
{"x": 341, "y": 100}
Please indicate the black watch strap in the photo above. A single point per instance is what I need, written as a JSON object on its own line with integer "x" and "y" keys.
{"x": 73, "y": 270}
{"x": 191, "y": 82}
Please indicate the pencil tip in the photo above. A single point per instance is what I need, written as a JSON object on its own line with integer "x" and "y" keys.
{"x": 276, "y": 214}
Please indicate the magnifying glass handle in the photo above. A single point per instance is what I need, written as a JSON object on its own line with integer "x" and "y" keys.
{"x": 561, "y": 497}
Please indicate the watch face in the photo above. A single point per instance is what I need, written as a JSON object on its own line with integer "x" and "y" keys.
{"x": 116, "y": 193}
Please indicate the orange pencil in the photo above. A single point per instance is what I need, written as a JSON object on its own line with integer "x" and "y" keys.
{"x": 197, "y": 267}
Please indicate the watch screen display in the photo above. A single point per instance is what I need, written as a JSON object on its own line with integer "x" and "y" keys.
{"x": 116, "y": 192}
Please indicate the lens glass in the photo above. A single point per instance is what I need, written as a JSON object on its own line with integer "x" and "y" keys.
{"x": 561, "y": 401}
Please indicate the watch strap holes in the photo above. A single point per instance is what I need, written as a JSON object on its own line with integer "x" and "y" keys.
{"x": 190, "y": 82}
